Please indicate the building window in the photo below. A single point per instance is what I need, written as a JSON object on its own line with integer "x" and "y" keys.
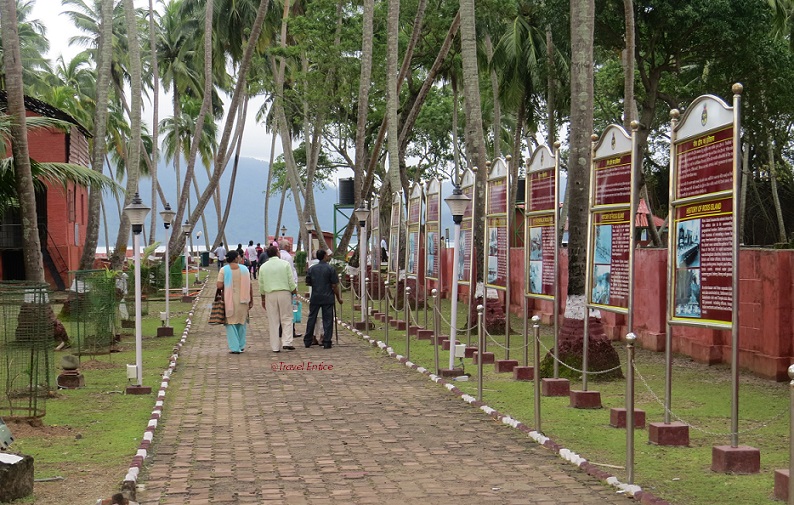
{"x": 70, "y": 204}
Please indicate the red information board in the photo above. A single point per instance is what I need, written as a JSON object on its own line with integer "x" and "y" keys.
{"x": 539, "y": 234}
{"x": 703, "y": 259}
{"x": 414, "y": 225}
{"x": 705, "y": 163}
{"x": 610, "y": 268}
{"x": 541, "y": 269}
{"x": 432, "y": 230}
{"x": 497, "y": 244}
{"x": 613, "y": 180}
{"x": 394, "y": 233}
{"x": 466, "y": 240}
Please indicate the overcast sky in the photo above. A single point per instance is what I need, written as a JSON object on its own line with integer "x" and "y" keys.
{"x": 256, "y": 141}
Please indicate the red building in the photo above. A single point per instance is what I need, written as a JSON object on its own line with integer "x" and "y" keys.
{"x": 62, "y": 209}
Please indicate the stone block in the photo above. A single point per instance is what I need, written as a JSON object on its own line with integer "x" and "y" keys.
{"x": 187, "y": 299}
{"x": 675, "y": 434}
{"x": 450, "y": 372}
{"x": 70, "y": 379}
{"x": 424, "y": 334}
{"x": 781, "y": 485}
{"x": 445, "y": 345}
{"x": 413, "y": 329}
{"x": 617, "y": 418}
{"x": 555, "y": 387}
{"x": 470, "y": 352}
{"x": 165, "y": 331}
{"x": 487, "y": 358}
{"x": 139, "y": 390}
{"x": 505, "y": 365}
{"x": 524, "y": 373}
{"x": 585, "y": 399}
{"x": 16, "y": 476}
{"x": 440, "y": 340}
{"x": 742, "y": 459}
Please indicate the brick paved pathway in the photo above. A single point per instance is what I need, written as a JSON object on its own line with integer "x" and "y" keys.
{"x": 369, "y": 431}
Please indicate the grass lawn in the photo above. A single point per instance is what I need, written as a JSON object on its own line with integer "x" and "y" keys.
{"x": 701, "y": 397}
{"x": 89, "y": 435}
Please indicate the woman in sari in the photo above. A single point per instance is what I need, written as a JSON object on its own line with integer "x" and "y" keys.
{"x": 235, "y": 284}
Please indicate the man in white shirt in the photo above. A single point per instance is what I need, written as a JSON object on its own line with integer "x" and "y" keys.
{"x": 252, "y": 257}
{"x": 284, "y": 248}
{"x": 384, "y": 256}
{"x": 220, "y": 255}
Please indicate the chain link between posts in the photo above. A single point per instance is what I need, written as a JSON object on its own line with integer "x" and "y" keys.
{"x": 569, "y": 367}
{"x": 754, "y": 427}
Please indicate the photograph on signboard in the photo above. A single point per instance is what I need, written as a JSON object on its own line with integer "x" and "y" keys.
{"x": 535, "y": 276}
{"x": 493, "y": 268}
{"x": 394, "y": 247}
{"x": 687, "y": 293}
{"x": 603, "y": 244}
{"x": 412, "y": 252}
{"x": 535, "y": 243}
{"x": 432, "y": 252}
{"x": 493, "y": 242}
{"x": 688, "y": 244}
{"x": 462, "y": 250}
{"x": 601, "y": 280}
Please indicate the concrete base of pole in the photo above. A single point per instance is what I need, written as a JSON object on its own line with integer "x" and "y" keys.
{"x": 524, "y": 373}
{"x": 397, "y": 324}
{"x": 414, "y": 330}
{"x": 487, "y": 358}
{"x": 585, "y": 399}
{"x": 505, "y": 365}
{"x": 555, "y": 387}
{"x": 445, "y": 345}
{"x": 781, "y": 485}
{"x": 617, "y": 418}
{"x": 357, "y": 307}
{"x": 742, "y": 459}
{"x": 424, "y": 334}
{"x": 453, "y": 372}
{"x": 138, "y": 390}
{"x": 470, "y": 352}
{"x": 440, "y": 341}
{"x": 128, "y": 323}
{"x": 187, "y": 299}
{"x": 675, "y": 434}
{"x": 165, "y": 331}
{"x": 382, "y": 318}
{"x": 360, "y": 325}
{"x": 70, "y": 379}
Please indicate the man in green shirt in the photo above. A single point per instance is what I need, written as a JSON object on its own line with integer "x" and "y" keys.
{"x": 277, "y": 285}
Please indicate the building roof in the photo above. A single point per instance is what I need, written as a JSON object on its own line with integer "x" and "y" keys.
{"x": 44, "y": 109}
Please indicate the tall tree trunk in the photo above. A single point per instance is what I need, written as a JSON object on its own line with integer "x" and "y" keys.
{"x": 155, "y": 124}
{"x": 497, "y": 109}
{"x": 392, "y": 92}
{"x": 581, "y": 129}
{"x": 233, "y": 181}
{"x": 269, "y": 177}
{"x": 12, "y": 60}
{"x": 551, "y": 91}
{"x": 365, "y": 78}
{"x": 105, "y": 54}
{"x": 134, "y": 148}
{"x": 475, "y": 137}
{"x": 781, "y": 225}
{"x": 628, "y": 66}
{"x": 455, "y": 142}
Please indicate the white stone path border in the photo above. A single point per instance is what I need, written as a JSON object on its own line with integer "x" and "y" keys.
{"x": 131, "y": 479}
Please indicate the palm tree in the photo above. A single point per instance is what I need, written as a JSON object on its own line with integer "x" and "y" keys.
{"x": 134, "y": 150}
{"x": 33, "y": 45}
{"x": 12, "y": 61}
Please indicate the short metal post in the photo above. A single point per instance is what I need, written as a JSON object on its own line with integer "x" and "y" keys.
{"x": 536, "y": 369}
{"x": 366, "y": 306}
{"x": 791, "y": 438}
{"x": 436, "y": 325}
{"x": 525, "y": 313}
{"x": 386, "y": 288}
{"x": 630, "y": 339}
{"x": 352, "y": 301}
{"x": 481, "y": 343}
{"x": 407, "y": 308}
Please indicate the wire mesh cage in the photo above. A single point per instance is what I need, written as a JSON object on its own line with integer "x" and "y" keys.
{"x": 27, "y": 372}
{"x": 94, "y": 310}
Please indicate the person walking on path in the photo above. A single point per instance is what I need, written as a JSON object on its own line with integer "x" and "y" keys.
{"x": 276, "y": 285}
{"x": 238, "y": 298}
{"x": 286, "y": 256}
{"x": 220, "y": 255}
{"x": 252, "y": 257}
{"x": 324, "y": 281}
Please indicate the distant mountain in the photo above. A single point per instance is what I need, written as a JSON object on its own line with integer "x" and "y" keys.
{"x": 247, "y": 215}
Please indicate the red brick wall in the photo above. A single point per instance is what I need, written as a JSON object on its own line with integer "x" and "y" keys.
{"x": 766, "y": 309}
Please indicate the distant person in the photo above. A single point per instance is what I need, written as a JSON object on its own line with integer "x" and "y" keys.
{"x": 238, "y": 297}
{"x": 384, "y": 254}
{"x": 252, "y": 257}
{"x": 220, "y": 255}
{"x": 277, "y": 286}
{"x": 241, "y": 252}
{"x": 324, "y": 281}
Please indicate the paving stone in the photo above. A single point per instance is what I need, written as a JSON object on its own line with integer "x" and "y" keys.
{"x": 237, "y": 429}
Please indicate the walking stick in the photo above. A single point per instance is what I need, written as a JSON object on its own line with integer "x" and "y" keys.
{"x": 336, "y": 327}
